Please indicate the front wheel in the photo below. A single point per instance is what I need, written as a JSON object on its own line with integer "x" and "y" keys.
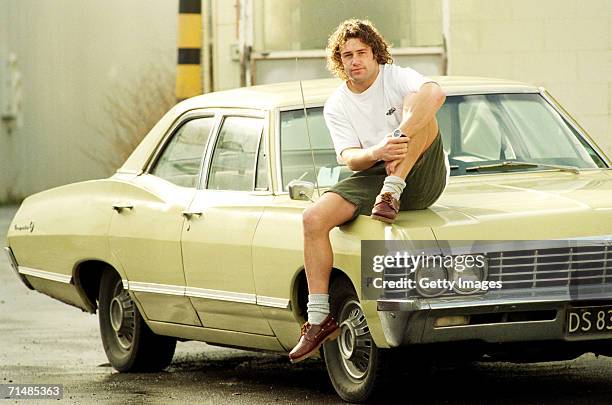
{"x": 354, "y": 364}
{"x": 129, "y": 343}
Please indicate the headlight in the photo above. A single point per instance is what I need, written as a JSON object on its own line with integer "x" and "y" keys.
{"x": 431, "y": 281}
{"x": 468, "y": 277}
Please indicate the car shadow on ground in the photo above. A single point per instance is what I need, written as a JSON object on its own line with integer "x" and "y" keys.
{"x": 256, "y": 377}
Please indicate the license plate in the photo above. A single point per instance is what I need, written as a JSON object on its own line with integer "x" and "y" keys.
{"x": 589, "y": 320}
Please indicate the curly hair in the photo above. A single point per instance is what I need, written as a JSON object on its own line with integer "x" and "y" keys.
{"x": 363, "y": 30}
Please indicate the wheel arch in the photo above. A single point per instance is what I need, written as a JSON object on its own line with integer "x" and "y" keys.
{"x": 299, "y": 295}
{"x": 86, "y": 277}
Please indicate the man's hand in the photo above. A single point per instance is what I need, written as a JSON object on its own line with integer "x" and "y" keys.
{"x": 391, "y": 149}
{"x": 391, "y": 165}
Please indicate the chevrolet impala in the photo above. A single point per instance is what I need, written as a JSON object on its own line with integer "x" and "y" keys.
{"x": 198, "y": 236}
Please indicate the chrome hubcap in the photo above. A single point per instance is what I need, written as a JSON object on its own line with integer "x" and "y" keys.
{"x": 122, "y": 316}
{"x": 355, "y": 341}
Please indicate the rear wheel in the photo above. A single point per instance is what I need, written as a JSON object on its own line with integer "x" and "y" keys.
{"x": 354, "y": 364}
{"x": 128, "y": 342}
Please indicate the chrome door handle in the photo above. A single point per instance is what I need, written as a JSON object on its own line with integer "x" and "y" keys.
{"x": 190, "y": 215}
{"x": 119, "y": 207}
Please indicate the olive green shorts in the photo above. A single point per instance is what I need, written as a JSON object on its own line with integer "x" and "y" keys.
{"x": 424, "y": 183}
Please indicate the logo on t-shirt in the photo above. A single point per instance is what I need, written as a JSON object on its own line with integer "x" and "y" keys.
{"x": 391, "y": 111}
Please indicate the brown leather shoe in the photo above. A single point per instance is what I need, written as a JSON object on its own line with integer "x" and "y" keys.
{"x": 385, "y": 208}
{"x": 312, "y": 337}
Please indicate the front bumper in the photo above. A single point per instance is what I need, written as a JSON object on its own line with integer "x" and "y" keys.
{"x": 520, "y": 316}
{"x": 15, "y": 267}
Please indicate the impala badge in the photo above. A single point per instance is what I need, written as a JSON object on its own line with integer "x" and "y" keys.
{"x": 29, "y": 227}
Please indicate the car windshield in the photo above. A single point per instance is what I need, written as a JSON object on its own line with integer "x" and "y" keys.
{"x": 481, "y": 133}
{"x": 488, "y": 130}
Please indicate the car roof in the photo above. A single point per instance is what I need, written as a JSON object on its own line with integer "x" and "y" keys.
{"x": 287, "y": 94}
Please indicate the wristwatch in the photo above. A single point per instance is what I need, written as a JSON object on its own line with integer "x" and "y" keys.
{"x": 397, "y": 133}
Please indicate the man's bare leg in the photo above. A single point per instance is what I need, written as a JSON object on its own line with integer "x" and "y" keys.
{"x": 328, "y": 212}
{"x": 419, "y": 143}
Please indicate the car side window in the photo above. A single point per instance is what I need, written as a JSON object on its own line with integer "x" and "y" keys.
{"x": 233, "y": 160}
{"x": 181, "y": 158}
{"x": 296, "y": 140}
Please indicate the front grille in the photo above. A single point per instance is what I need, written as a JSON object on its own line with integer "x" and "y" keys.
{"x": 551, "y": 267}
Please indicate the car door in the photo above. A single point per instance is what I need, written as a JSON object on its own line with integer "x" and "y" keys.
{"x": 217, "y": 240}
{"x": 146, "y": 228}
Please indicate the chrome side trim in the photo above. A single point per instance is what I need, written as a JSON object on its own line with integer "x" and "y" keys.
{"x": 194, "y": 292}
{"x": 15, "y": 267}
{"x": 220, "y": 295}
{"x": 47, "y": 275}
{"x": 137, "y": 286}
{"x": 273, "y": 302}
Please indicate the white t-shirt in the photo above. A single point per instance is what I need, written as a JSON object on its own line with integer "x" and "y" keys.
{"x": 363, "y": 120}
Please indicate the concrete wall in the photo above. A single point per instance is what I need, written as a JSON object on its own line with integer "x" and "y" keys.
{"x": 427, "y": 23}
{"x": 71, "y": 54}
{"x": 563, "y": 45}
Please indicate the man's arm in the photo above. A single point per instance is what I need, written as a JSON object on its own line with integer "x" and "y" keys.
{"x": 421, "y": 107}
{"x": 419, "y": 111}
{"x": 388, "y": 149}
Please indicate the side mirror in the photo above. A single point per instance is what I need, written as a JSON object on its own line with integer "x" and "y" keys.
{"x": 301, "y": 190}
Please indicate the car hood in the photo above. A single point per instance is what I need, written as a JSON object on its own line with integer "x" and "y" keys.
{"x": 525, "y": 206}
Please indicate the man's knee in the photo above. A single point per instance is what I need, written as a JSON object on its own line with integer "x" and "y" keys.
{"x": 318, "y": 218}
{"x": 313, "y": 221}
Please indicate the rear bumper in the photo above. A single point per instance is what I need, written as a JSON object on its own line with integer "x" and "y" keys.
{"x": 15, "y": 267}
{"x": 491, "y": 318}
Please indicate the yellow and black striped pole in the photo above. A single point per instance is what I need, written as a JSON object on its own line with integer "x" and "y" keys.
{"x": 189, "y": 68}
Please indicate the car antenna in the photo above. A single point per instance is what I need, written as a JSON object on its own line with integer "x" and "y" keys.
{"x": 314, "y": 166}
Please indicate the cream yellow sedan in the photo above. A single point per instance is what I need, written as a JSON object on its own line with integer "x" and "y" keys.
{"x": 199, "y": 236}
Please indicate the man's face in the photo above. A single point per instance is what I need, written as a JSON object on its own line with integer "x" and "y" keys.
{"x": 358, "y": 61}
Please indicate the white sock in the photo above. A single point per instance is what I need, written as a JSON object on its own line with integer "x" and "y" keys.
{"x": 318, "y": 308}
{"x": 394, "y": 185}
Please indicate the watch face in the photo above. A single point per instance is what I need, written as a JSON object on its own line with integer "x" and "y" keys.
{"x": 397, "y": 133}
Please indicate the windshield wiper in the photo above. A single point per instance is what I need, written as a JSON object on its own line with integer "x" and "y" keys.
{"x": 518, "y": 164}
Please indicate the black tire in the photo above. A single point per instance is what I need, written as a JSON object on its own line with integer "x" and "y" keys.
{"x": 130, "y": 345}
{"x": 356, "y": 367}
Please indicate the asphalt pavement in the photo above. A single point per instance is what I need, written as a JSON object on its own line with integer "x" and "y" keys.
{"x": 43, "y": 341}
